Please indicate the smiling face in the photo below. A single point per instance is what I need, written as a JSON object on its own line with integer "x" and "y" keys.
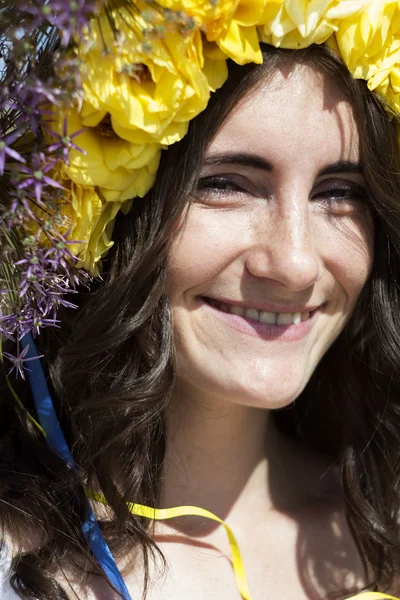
{"x": 276, "y": 247}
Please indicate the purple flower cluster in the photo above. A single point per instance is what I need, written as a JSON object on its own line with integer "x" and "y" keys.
{"x": 38, "y": 72}
{"x": 69, "y": 17}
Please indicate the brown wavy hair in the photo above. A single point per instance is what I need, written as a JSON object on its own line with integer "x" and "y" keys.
{"x": 111, "y": 370}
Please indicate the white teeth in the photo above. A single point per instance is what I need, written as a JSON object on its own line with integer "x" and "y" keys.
{"x": 296, "y": 318}
{"x": 263, "y": 316}
{"x": 267, "y": 317}
{"x": 251, "y": 313}
{"x": 284, "y": 319}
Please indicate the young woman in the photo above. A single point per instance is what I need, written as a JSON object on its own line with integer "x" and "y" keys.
{"x": 241, "y": 354}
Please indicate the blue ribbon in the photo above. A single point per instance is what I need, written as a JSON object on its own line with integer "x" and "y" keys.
{"x": 48, "y": 420}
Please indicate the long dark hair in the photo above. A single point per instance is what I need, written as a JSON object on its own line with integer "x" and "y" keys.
{"x": 111, "y": 370}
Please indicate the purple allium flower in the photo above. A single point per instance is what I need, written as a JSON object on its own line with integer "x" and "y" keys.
{"x": 18, "y": 212}
{"x": 39, "y": 322}
{"x": 71, "y": 17}
{"x": 6, "y": 332}
{"x": 19, "y": 361}
{"x": 5, "y": 149}
{"x": 30, "y": 320}
{"x": 36, "y": 175}
{"x": 65, "y": 144}
{"x": 40, "y": 13}
{"x": 41, "y": 90}
{"x": 44, "y": 278}
{"x": 54, "y": 300}
{"x": 33, "y": 275}
{"x": 31, "y": 106}
{"x": 59, "y": 255}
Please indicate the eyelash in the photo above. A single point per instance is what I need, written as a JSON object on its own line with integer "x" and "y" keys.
{"x": 212, "y": 188}
{"x": 209, "y": 186}
{"x": 347, "y": 192}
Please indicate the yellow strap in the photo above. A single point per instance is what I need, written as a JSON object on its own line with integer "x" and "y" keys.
{"x": 184, "y": 511}
{"x": 158, "y": 514}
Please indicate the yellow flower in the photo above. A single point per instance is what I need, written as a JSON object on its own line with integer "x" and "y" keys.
{"x": 215, "y": 67}
{"x": 82, "y": 216}
{"x": 119, "y": 169}
{"x": 203, "y": 11}
{"x": 231, "y": 24}
{"x": 151, "y": 88}
{"x": 369, "y": 45}
{"x": 92, "y": 222}
{"x": 300, "y": 23}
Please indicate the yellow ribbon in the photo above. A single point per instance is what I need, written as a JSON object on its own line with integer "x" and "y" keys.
{"x": 160, "y": 514}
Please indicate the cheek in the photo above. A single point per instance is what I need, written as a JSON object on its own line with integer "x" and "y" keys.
{"x": 209, "y": 242}
{"x": 205, "y": 245}
{"x": 348, "y": 253}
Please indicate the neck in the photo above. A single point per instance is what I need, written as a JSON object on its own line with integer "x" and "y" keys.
{"x": 226, "y": 458}
{"x": 212, "y": 452}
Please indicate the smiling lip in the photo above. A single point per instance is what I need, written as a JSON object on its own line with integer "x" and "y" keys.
{"x": 264, "y": 330}
{"x": 276, "y": 308}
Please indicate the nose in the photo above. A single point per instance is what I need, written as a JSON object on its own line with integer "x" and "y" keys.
{"x": 285, "y": 249}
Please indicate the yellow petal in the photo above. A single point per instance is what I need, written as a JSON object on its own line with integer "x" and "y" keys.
{"x": 241, "y": 44}
{"x": 216, "y": 72}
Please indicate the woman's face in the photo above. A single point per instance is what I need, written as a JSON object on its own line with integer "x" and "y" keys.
{"x": 276, "y": 247}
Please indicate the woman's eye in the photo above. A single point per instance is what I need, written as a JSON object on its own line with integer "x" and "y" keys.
{"x": 218, "y": 185}
{"x": 343, "y": 197}
{"x": 343, "y": 194}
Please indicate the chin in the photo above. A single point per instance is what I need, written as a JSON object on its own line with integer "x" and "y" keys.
{"x": 268, "y": 398}
{"x": 258, "y": 383}
{"x": 261, "y": 393}
{"x": 271, "y": 390}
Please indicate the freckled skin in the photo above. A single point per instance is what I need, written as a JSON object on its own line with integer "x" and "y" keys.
{"x": 276, "y": 237}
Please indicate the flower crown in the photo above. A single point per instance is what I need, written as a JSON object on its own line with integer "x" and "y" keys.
{"x": 92, "y": 91}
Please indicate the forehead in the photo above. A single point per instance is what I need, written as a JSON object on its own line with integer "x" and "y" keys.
{"x": 296, "y": 114}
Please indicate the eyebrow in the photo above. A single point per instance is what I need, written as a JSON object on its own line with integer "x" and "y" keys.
{"x": 247, "y": 160}
{"x": 255, "y": 161}
{"x": 341, "y": 166}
